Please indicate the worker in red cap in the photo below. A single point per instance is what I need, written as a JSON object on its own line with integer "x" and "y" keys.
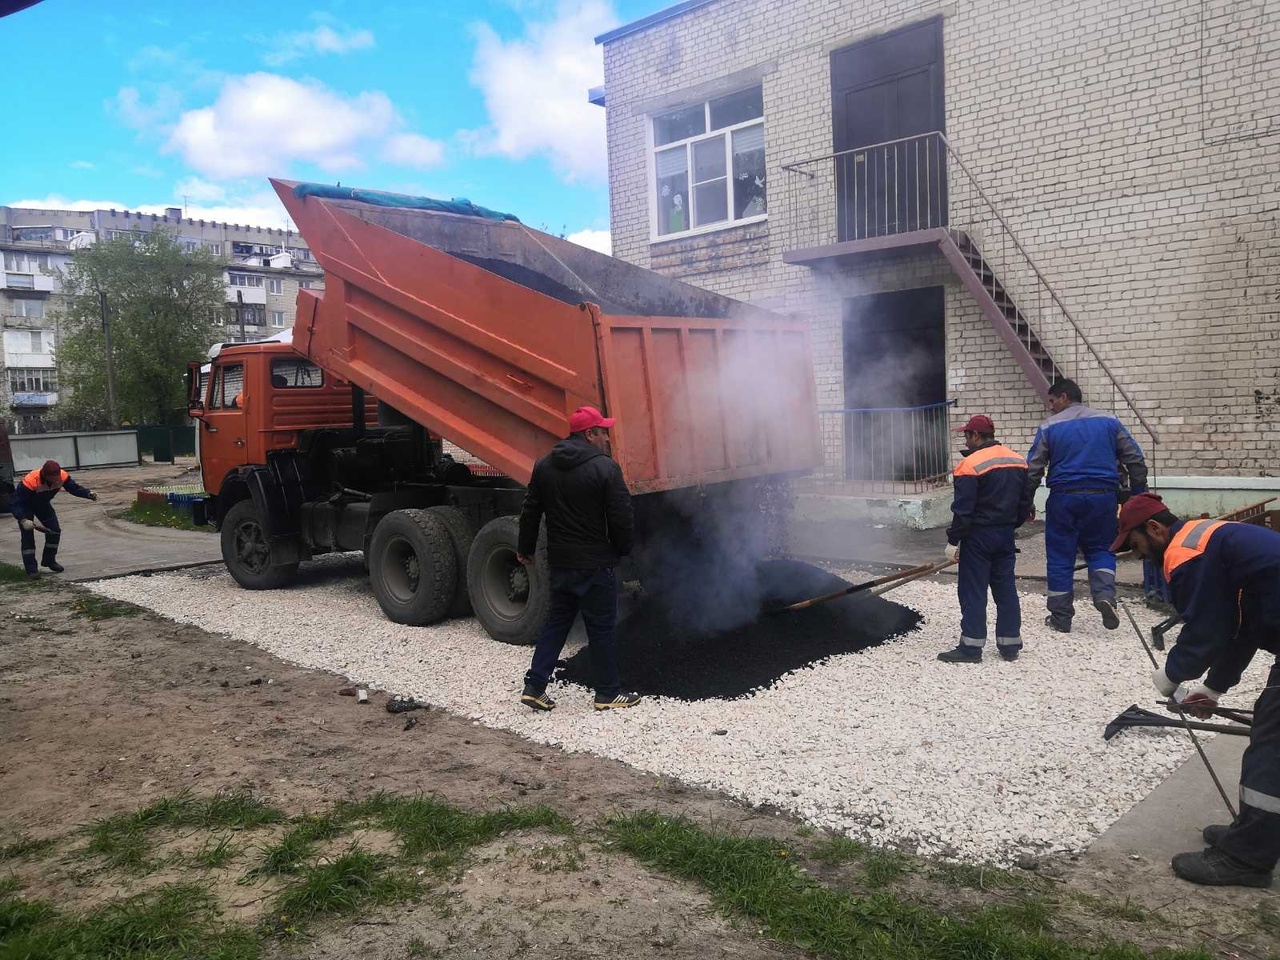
{"x": 992, "y": 499}
{"x": 579, "y": 488}
{"x": 1224, "y": 579}
{"x": 32, "y": 503}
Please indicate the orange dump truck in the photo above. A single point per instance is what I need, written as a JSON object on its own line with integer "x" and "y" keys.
{"x": 443, "y": 321}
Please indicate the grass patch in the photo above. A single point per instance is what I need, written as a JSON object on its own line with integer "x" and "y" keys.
{"x": 175, "y": 921}
{"x": 354, "y": 880}
{"x": 159, "y": 515}
{"x": 90, "y": 606}
{"x": 979, "y": 877}
{"x": 882, "y": 867}
{"x": 25, "y": 848}
{"x": 11, "y": 574}
{"x": 123, "y": 841}
{"x": 834, "y": 851}
{"x": 287, "y": 854}
{"x": 216, "y": 853}
{"x": 441, "y": 833}
{"x": 757, "y": 878}
{"x": 1111, "y": 909}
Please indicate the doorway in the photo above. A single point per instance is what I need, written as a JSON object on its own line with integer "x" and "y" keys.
{"x": 883, "y": 91}
{"x": 895, "y": 363}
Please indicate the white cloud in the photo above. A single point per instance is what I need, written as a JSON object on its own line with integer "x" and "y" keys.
{"x": 260, "y": 210}
{"x": 81, "y": 165}
{"x": 413, "y": 150}
{"x": 535, "y": 90}
{"x": 136, "y": 112}
{"x": 598, "y": 240}
{"x": 261, "y": 122}
{"x": 193, "y": 188}
{"x": 323, "y": 39}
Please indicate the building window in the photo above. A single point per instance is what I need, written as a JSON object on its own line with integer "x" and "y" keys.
{"x": 286, "y": 373}
{"x": 305, "y": 284}
{"x": 33, "y": 233}
{"x": 244, "y": 280}
{"x": 20, "y": 281}
{"x": 275, "y": 286}
{"x": 190, "y": 246}
{"x": 708, "y": 163}
{"x": 27, "y": 307}
{"x": 28, "y": 263}
{"x": 33, "y": 380}
{"x": 37, "y": 340}
{"x": 277, "y": 318}
{"x": 214, "y": 248}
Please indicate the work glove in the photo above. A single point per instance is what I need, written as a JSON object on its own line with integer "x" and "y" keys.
{"x": 93, "y": 497}
{"x": 952, "y": 551}
{"x": 1195, "y": 698}
{"x": 28, "y": 524}
{"x": 1163, "y": 683}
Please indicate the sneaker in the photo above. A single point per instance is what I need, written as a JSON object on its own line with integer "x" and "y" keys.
{"x": 54, "y": 565}
{"x": 537, "y": 699}
{"x": 1213, "y": 868}
{"x": 1060, "y": 626}
{"x": 1214, "y": 833}
{"x": 1010, "y": 653}
{"x": 619, "y": 702}
{"x": 961, "y": 654}
{"x": 1110, "y": 618}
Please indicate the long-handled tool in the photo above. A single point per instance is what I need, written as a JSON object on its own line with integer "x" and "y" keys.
{"x": 1244, "y": 717}
{"x": 873, "y": 587}
{"x": 1182, "y": 714}
{"x": 1135, "y": 716}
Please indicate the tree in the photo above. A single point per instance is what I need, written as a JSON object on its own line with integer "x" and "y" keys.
{"x": 164, "y": 305}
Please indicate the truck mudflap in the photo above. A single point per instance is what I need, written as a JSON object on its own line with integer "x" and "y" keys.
{"x": 277, "y": 493}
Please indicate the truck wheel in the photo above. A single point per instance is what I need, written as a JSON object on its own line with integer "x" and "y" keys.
{"x": 461, "y": 535}
{"x": 247, "y": 552}
{"x": 412, "y": 567}
{"x": 510, "y": 599}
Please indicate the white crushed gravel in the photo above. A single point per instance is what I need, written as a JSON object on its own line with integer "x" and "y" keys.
{"x": 982, "y": 763}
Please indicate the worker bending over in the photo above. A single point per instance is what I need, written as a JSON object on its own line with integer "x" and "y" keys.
{"x": 992, "y": 499}
{"x": 1084, "y": 451}
{"x": 1225, "y": 582}
{"x": 33, "y": 502}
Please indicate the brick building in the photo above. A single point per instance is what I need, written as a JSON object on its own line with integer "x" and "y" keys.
{"x": 264, "y": 269}
{"x": 968, "y": 198}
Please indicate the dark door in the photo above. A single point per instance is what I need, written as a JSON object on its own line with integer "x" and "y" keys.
{"x": 895, "y": 365}
{"x": 883, "y": 91}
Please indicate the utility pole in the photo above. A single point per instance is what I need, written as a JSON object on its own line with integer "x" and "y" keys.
{"x": 240, "y": 313}
{"x": 111, "y": 366}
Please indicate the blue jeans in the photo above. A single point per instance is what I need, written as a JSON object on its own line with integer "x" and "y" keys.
{"x": 48, "y": 518}
{"x": 1075, "y": 522}
{"x": 987, "y": 557}
{"x": 594, "y": 593}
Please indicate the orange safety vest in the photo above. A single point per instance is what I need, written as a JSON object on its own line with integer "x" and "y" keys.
{"x": 1189, "y": 543}
{"x": 997, "y": 457}
{"x": 32, "y": 480}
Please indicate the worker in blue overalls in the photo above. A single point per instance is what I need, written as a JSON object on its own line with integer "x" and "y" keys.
{"x": 32, "y": 504}
{"x": 1224, "y": 579}
{"x": 1084, "y": 451}
{"x": 992, "y": 499}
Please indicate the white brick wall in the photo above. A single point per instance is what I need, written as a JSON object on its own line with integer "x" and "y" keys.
{"x": 1132, "y": 147}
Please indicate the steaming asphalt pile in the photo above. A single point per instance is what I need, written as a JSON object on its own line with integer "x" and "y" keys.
{"x": 978, "y": 763}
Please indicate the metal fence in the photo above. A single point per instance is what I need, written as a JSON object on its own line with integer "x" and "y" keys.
{"x": 892, "y": 449}
{"x": 75, "y": 450}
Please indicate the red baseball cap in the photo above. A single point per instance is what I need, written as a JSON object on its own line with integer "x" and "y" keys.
{"x": 978, "y": 424}
{"x": 584, "y": 418}
{"x": 1136, "y": 511}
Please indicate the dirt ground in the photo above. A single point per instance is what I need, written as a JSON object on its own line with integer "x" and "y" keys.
{"x": 99, "y": 717}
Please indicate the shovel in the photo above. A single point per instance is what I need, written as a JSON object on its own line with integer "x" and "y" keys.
{"x": 873, "y": 587}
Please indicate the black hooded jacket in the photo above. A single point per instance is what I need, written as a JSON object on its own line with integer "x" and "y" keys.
{"x": 588, "y": 508}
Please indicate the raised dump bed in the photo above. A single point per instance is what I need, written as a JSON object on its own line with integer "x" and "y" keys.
{"x": 490, "y": 333}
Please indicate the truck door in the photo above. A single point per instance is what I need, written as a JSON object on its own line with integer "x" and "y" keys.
{"x": 224, "y": 431}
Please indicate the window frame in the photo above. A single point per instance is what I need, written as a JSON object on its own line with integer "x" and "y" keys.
{"x": 271, "y": 320}
{"x": 275, "y": 286}
{"x": 47, "y": 377}
{"x": 727, "y": 133}
{"x": 298, "y": 362}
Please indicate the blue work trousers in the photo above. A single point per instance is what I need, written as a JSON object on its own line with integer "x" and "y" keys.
{"x": 594, "y": 594}
{"x": 987, "y": 557}
{"x": 48, "y": 518}
{"x": 1254, "y": 838}
{"x": 1076, "y": 522}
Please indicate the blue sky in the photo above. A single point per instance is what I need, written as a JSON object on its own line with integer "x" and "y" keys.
{"x": 142, "y": 104}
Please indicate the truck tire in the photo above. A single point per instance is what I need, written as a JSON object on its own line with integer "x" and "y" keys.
{"x": 461, "y": 535}
{"x": 412, "y": 567}
{"x": 510, "y": 600}
{"x": 247, "y": 552}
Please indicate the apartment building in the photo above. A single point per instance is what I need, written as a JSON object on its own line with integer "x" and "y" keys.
{"x": 967, "y": 199}
{"x": 264, "y": 270}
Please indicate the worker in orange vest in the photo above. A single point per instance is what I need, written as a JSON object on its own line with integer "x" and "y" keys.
{"x": 992, "y": 499}
{"x": 33, "y": 502}
{"x": 1224, "y": 579}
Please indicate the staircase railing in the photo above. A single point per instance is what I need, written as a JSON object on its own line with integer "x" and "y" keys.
{"x": 921, "y": 183}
